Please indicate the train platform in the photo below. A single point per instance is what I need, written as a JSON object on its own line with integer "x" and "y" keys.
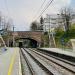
{"x": 2, "y": 50}
{"x": 10, "y": 62}
{"x": 60, "y": 51}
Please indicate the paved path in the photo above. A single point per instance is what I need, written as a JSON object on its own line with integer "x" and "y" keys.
{"x": 10, "y": 62}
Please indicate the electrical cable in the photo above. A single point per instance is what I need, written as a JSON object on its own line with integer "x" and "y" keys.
{"x": 47, "y": 5}
{"x": 40, "y": 8}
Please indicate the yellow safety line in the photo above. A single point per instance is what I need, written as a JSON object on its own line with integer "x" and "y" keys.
{"x": 12, "y": 63}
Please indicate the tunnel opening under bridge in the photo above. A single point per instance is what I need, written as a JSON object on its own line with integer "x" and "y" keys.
{"x": 27, "y": 43}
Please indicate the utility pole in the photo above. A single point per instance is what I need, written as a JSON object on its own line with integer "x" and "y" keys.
{"x": 49, "y": 29}
{"x": 53, "y": 38}
{"x": 13, "y": 36}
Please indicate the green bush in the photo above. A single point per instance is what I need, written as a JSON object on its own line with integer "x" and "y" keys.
{"x": 65, "y": 36}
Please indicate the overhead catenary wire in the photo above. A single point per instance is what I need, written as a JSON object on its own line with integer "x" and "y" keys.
{"x": 40, "y": 8}
{"x": 47, "y": 5}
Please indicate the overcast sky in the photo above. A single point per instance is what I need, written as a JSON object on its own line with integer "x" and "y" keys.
{"x": 23, "y": 12}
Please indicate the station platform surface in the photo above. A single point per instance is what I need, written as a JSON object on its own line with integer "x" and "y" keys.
{"x": 60, "y": 51}
{"x": 10, "y": 62}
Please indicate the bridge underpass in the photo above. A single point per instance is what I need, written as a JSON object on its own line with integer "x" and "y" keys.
{"x": 27, "y": 42}
{"x": 32, "y": 39}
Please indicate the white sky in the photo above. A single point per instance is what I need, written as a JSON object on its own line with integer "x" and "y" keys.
{"x": 23, "y": 11}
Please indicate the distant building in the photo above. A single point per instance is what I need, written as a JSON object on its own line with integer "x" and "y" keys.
{"x": 53, "y": 21}
{"x": 49, "y": 22}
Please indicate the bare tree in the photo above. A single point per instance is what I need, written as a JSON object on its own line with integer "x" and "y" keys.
{"x": 1, "y": 21}
{"x": 5, "y": 24}
{"x": 67, "y": 16}
{"x": 8, "y": 25}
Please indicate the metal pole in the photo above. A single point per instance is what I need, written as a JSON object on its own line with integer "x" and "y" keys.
{"x": 49, "y": 31}
{"x": 8, "y": 41}
{"x": 13, "y": 36}
{"x": 53, "y": 39}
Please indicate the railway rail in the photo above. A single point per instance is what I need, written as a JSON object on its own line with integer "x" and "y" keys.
{"x": 42, "y": 64}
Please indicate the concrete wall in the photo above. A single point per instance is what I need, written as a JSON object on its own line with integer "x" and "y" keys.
{"x": 73, "y": 44}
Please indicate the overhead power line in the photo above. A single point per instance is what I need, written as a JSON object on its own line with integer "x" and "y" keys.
{"x": 47, "y": 5}
{"x": 40, "y": 8}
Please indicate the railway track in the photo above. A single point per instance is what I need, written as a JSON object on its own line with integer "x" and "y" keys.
{"x": 33, "y": 67}
{"x": 48, "y": 65}
{"x": 55, "y": 57}
{"x": 59, "y": 56}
